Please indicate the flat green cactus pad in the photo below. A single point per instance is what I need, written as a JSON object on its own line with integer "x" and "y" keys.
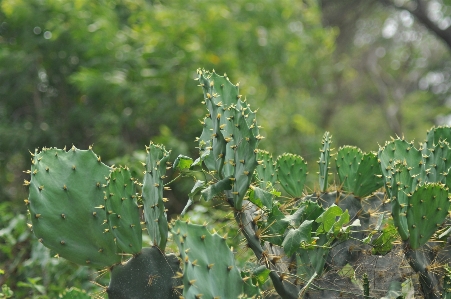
{"x": 154, "y": 210}
{"x": 292, "y": 173}
{"x": 266, "y": 171}
{"x": 209, "y": 265}
{"x": 67, "y": 206}
{"x": 427, "y": 209}
{"x": 123, "y": 212}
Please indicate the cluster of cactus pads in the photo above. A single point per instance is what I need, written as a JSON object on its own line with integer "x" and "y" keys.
{"x": 93, "y": 214}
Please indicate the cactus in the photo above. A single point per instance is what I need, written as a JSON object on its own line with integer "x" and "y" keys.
{"x": 266, "y": 171}
{"x": 122, "y": 211}
{"x": 323, "y": 162}
{"x": 153, "y": 200}
{"x": 67, "y": 206}
{"x": 291, "y": 173}
{"x": 148, "y": 274}
{"x": 234, "y": 135}
{"x": 436, "y": 162}
{"x": 426, "y": 210}
{"x": 209, "y": 266}
{"x": 359, "y": 173}
{"x": 435, "y": 135}
{"x": 89, "y": 213}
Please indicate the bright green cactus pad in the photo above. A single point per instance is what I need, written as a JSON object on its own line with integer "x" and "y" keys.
{"x": 369, "y": 177}
{"x": 67, "y": 206}
{"x": 398, "y": 150}
{"x": 234, "y": 133}
{"x": 209, "y": 265}
{"x": 291, "y": 173}
{"x": 246, "y": 162}
{"x": 266, "y": 171}
{"x": 205, "y": 144}
{"x": 323, "y": 162}
{"x": 427, "y": 210}
{"x": 154, "y": 210}
{"x": 123, "y": 212}
{"x": 359, "y": 173}
{"x": 436, "y": 134}
{"x": 218, "y": 94}
{"x": 436, "y": 163}
{"x": 149, "y": 274}
{"x": 347, "y": 161}
{"x": 402, "y": 185}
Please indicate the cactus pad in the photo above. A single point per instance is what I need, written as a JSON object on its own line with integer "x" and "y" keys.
{"x": 149, "y": 274}
{"x": 234, "y": 133}
{"x": 359, "y": 173}
{"x": 209, "y": 266}
{"x": 323, "y": 162}
{"x": 67, "y": 206}
{"x": 291, "y": 173}
{"x": 427, "y": 209}
{"x": 154, "y": 210}
{"x": 266, "y": 171}
{"x": 123, "y": 212}
{"x": 436, "y": 162}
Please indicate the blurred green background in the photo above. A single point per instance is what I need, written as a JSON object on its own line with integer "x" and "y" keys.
{"x": 119, "y": 73}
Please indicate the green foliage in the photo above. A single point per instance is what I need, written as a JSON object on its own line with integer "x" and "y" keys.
{"x": 6, "y": 292}
{"x": 74, "y": 293}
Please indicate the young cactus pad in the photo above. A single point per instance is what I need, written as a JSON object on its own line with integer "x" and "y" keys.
{"x": 436, "y": 134}
{"x": 359, "y": 172}
{"x": 436, "y": 162}
{"x": 209, "y": 265}
{"x": 266, "y": 171}
{"x": 427, "y": 209}
{"x": 123, "y": 212}
{"x": 154, "y": 210}
{"x": 66, "y": 204}
{"x": 323, "y": 162}
{"x": 292, "y": 173}
{"x": 234, "y": 133}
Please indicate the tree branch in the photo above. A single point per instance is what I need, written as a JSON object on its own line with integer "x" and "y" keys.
{"x": 419, "y": 11}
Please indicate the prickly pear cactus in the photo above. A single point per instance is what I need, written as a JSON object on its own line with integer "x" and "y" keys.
{"x": 359, "y": 172}
{"x": 291, "y": 173}
{"x": 122, "y": 211}
{"x": 90, "y": 213}
{"x": 234, "y": 134}
{"x": 209, "y": 268}
{"x": 154, "y": 210}
{"x": 67, "y": 206}
{"x": 426, "y": 210}
{"x": 149, "y": 274}
{"x": 266, "y": 170}
{"x": 323, "y": 162}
